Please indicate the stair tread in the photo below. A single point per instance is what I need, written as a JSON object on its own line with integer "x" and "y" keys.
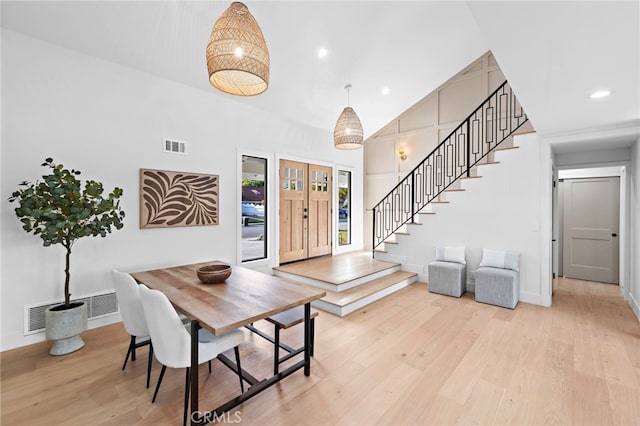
{"x": 346, "y": 297}
{"x": 390, "y": 242}
{"x": 455, "y": 190}
{"x": 488, "y": 163}
{"x": 401, "y": 233}
{"x": 427, "y": 213}
{"x": 413, "y": 223}
{"x": 471, "y": 177}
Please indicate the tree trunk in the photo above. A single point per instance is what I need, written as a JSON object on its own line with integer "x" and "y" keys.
{"x": 67, "y": 296}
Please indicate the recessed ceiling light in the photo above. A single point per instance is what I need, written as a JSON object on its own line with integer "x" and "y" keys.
{"x": 385, "y": 90}
{"x": 322, "y": 52}
{"x": 600, "y": 94}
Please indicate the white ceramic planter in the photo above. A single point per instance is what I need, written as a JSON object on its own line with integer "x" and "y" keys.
{"x": 64, "y": 328}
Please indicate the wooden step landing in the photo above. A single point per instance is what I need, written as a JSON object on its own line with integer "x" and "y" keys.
{"x": 351, "y": 280}
{"x": 345, "y": 302}
{"x": 337, "y": 273}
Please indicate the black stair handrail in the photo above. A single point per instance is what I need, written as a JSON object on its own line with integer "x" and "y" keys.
{"x": 450, "y": 160}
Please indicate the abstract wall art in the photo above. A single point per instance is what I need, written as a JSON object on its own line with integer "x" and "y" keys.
{"x": 169, "y": 199}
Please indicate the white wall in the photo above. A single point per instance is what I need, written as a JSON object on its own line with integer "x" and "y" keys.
{"x": 109, "y": 121}
{"x": 592, "y": 157}
{"x": 634, "y": 282}
{"x": 502, "y": 210}
{"x": 422, "y": 127}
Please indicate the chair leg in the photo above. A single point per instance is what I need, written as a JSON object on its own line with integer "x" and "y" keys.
{"x": 149, "y": 361}
{"x": 276, "y": 350}
{"x": 209, "y": 366}
{"x": 164, "y": 368}
{"x": 132, "y": 344}
{"x": 187, "y": 388}
{"x": 237, "y": 352}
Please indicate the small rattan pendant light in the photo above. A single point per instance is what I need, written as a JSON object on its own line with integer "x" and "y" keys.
{"x": 237, "y": 55}
{"x": 348, "y": 133}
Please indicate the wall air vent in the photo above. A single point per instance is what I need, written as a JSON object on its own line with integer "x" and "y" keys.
{"x": 175, "y": 147}
{"x": 98, "y": 305}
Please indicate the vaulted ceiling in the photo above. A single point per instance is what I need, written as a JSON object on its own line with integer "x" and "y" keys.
{"x": 553, "y": 53}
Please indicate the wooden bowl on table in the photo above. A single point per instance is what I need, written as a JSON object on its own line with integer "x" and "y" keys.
{"x": 212, "y": 274}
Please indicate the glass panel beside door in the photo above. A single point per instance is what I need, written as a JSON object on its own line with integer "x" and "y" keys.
{"x": 254, "y": 208}
{"x": 344, "y": 207}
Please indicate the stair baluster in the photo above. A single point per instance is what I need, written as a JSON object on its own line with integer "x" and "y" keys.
{"x": 491, "y": 123}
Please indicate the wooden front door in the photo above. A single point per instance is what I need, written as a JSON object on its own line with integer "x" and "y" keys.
{"x": 319, "y": 210}
{"x": 305, "y": 210}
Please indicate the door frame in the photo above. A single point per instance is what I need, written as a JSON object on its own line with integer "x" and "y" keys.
{"x": 276, "y": 202}
{"x": 577, "y": 172}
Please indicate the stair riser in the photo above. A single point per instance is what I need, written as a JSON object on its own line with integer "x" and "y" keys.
{"x": 358, "y": 304}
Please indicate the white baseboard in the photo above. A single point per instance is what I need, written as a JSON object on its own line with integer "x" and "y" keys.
{"x": 532, "y": 298}
{"x": 635, "y": 306}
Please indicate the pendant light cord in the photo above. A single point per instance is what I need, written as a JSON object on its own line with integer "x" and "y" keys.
{"x": 348, "y": 89}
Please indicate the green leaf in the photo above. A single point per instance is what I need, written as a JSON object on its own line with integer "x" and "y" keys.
{"x": 60, "y": 210}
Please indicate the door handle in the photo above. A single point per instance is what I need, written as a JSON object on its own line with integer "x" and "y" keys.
{"x": 614, "y": 235}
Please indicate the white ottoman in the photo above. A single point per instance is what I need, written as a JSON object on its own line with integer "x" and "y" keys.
{"x": 447, "y": 278}
{"x": 496, "y": 286}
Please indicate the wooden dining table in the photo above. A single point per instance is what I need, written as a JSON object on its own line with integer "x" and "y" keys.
{"x": 245, "y": 297}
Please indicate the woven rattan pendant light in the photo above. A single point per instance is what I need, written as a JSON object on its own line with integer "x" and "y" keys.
{"x": 237, "y": 55}
{"x": 348, "y": 133}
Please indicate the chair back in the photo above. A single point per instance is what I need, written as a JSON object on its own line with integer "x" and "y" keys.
{"x": 171, "y": 341}
{"x": 128, "y": 296}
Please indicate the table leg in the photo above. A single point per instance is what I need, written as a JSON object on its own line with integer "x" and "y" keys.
{"x": 194, "y": 416}
{"x": 307, "y": 339}
{"x": 276, "y": 349}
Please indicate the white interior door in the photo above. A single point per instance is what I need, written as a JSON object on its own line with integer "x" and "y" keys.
{"x": 591, "y": 226}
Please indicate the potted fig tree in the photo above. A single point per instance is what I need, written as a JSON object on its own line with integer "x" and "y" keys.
{"x": 60, "y": 210}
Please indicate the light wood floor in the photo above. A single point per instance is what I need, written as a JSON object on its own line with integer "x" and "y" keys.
{"x": 411, "y": 358}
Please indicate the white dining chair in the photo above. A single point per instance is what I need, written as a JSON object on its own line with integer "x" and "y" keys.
{"x": 128, "y": 296}
{"x": 172, "y": 341}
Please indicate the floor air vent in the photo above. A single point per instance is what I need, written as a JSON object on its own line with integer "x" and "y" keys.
{"x": 98, "y": 306}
